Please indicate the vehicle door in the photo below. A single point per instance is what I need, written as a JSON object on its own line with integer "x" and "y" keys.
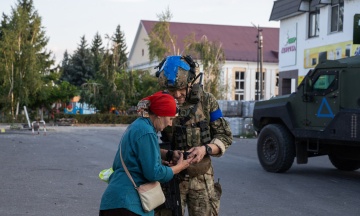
{"x": 325, "y": 99}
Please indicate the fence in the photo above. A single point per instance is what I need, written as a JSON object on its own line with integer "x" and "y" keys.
{"x": 239, "y": 115}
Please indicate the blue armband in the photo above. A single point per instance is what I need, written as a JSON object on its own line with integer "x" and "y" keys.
{"x": 215, "y": 115}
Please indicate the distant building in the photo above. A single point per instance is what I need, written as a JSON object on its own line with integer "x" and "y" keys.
{"x": 312, "y": 31}
{"x": 239, "y": 73}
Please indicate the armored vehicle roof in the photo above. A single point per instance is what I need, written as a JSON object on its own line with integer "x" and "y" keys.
{"x": 344, "y": 62}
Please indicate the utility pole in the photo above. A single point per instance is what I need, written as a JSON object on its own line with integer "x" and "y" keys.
{"x": 261, "y": 62}
{"x": 259, "y": 41}
{"x": 257, "y": 69}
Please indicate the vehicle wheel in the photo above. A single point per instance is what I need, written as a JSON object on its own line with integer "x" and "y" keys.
{"x": 276, "y": 148}
{"x": 344, "y": 164}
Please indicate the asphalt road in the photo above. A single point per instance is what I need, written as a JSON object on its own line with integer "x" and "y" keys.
{"x": 57, "y": 175}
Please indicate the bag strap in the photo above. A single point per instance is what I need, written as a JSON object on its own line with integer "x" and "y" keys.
{"x": 123, "y": 164}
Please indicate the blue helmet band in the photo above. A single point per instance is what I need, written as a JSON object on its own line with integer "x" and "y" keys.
{"x": 170, "y": 68}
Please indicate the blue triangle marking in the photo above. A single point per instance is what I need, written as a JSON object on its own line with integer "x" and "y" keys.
{"x": 325, "y": 115}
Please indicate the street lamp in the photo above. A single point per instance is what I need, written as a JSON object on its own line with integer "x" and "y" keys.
{"x": 259, "y": 41}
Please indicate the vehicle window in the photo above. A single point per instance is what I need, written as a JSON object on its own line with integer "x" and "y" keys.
{"x": 324, "y": 82}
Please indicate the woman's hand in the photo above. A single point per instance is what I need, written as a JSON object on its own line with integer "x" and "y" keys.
{"x": 175, "y": 157}
{"x": 166, "y": 163}
{"x": 181, "y": 164}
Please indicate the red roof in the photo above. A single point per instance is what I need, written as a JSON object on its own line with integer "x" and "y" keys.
{"x": 238, "y": 42}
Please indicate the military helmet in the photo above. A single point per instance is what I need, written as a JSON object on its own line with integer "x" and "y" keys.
{"x": 175, "y": 72}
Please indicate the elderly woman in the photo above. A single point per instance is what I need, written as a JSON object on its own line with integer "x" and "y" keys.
{"x": 141, "y": 154}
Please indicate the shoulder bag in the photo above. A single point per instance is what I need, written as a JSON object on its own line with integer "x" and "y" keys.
{"x": 151, "y": 194}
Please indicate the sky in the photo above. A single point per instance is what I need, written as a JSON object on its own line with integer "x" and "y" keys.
{"x": 66, "y": 21}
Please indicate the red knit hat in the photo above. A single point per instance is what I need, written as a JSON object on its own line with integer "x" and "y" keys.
{"x": 162, "y": 104}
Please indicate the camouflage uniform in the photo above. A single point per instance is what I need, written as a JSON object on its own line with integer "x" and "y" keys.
{"x": 198, "y": 124}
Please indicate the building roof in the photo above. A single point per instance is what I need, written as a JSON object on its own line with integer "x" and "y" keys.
{"x": 288, "y": 8}
{"x": 238, "y": 42}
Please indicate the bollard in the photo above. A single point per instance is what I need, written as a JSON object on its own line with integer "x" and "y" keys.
{"x": 44, "y": 127}
{"x": 37, "y": 126}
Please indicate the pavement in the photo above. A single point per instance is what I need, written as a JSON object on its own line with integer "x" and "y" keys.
{"x": 54, "y": 173}
{"x": 13, "y": 127}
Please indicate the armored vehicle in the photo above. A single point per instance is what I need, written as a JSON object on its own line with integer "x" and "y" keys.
{"x": 321, "y": 118}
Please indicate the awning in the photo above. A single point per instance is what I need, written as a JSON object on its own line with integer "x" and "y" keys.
{"x": 288, "y": 8}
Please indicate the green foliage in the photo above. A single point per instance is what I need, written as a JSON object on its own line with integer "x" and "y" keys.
{"x": 98, "y": 118}
{"x": 161, "y": 43}
{"x": 65, "y": 68}
{"x": 63, "y": 92}
{"x": 209, "y": 53}
{"x": 212, "y": 58}
{"x": 24, "y": 58}
{"x": 97, "y": 51}
{"x": 145, "y": 85}
{"x": 119, "y": 52}
{"x": 80, "y": 67}
{"x": 102, "y": 92}
{"x": 90, "y": 92}
{"x": 10, "y": 119}
{"x": 112, "y": 85}
{"x": 96, "y": 73}
{"x": 95, "y": 69}
{"x": 136, "y": 85}
{"x": 102, "y": 95}
{"x": 53, "y": 91}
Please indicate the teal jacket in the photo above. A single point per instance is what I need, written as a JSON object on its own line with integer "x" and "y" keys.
{"x": 141, "y": 154}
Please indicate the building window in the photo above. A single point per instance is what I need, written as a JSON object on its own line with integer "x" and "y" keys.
{"x": 142, "y": 52}
{"x": 337, "y": 15}
{"x": 257, "y": 89}
{"x": 239, "y": 85}
{"x": 314, "y": 22}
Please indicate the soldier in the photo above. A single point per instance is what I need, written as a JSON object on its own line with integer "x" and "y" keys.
{"x": 200, "y": 130}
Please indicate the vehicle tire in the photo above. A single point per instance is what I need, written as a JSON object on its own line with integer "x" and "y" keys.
{"x": 276, "y": 148}
{"x": 344, "y": 164}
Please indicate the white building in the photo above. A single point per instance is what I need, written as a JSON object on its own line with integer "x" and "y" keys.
{"x": 239, "y": 73}
{"x": 312, "y": 31}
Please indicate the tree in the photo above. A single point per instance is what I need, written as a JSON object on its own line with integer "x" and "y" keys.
{"x": 145, "y": 84}
{"x": 24, "y": 58}
{"x": 66, "y": 67}
{"x": 212, "y": 58}
{"x": 82, "y": 67}
{"x": 90, "y": 93}
{"x": 64, "y": 92}
{"x": 136, "y": 85}
{"x": 119, "y": 52}
{"x": 54, "y": 91}
{"x": 97, "y": 51}
{"x": 7, "y": 58}
{"x": 102, "y": 91}
{"x": 209, "y": 53}
{"x": 161, "y": 43}
{"x": 113, "y": 64}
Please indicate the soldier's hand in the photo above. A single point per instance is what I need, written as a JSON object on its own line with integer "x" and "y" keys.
{"x": 197, "y": 154}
